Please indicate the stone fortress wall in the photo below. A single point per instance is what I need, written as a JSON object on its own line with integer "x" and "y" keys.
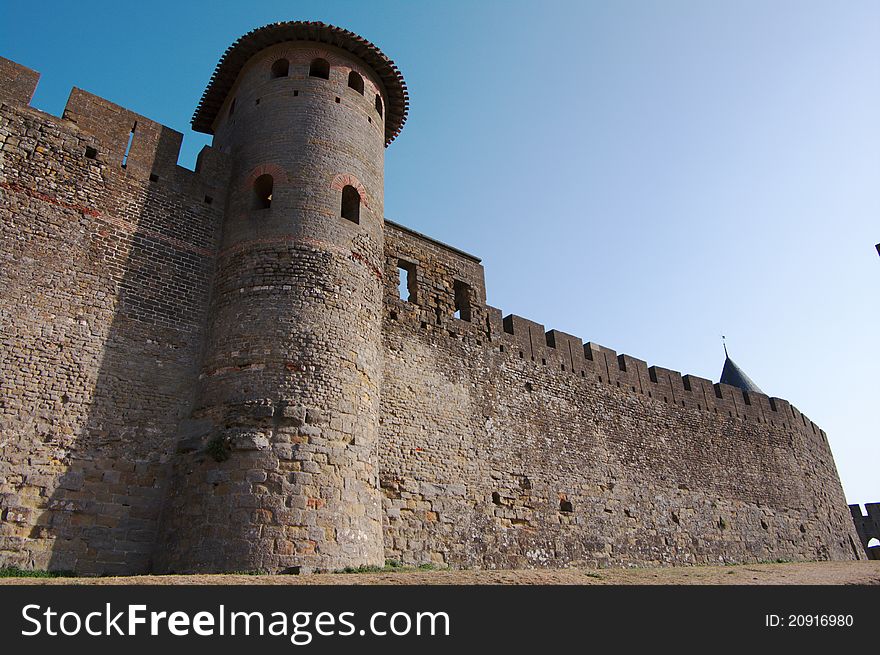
{"x": 195, "y": 382}
{"x": 105, "y": 274}
{"x": 867, "y": 527}
{"x": 504, "y": 445}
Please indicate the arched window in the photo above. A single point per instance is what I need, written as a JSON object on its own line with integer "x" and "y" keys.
{"x": 280, "y": 68}
{"x": 873, "y": 542}
{"x": 356, "y": 82}
{"x": 351, "y": 204}
{"x": 379, "y": 104}
{"x": 320, "y": 68}
{"x": 263, "y": 192}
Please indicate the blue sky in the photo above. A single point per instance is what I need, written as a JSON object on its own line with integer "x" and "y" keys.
{"x": 646, "y": 175}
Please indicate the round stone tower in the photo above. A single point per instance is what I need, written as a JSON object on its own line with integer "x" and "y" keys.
{"x": 277, "y": 469}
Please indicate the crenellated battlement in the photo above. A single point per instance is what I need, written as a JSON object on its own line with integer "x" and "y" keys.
{"x": 867, "y": 526}
{"x": 436, "y": 265}
{"x": 141, "y": 148}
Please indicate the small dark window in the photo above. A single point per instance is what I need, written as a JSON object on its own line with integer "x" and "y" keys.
{"x": 351, "y": 204}
{"x": 379, "y": 104}
{"x": 231, "y": 108}
{"x": 91, "y": 153}
{"x": 154, "y": 177}
{"x": 407, "y": 286}
{"x": 263, "y": 192}
{"x": 280, "y": 68}
{"x": 462, "y": 300}
{"x": 356, "y": 82}
{"x": 320, "y": 68}
{"x": 338, "y": 100}
{"x": 208, "y": 200}
{"x": 565, "y": 506}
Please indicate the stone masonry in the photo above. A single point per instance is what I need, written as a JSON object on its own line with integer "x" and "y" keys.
{"x": 867, "y": 527}
{"x": 214, "y": 370}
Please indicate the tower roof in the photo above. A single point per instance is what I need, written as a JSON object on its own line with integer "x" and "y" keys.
{"x": 236, "y": 55}
{"x": 733, "y": 375}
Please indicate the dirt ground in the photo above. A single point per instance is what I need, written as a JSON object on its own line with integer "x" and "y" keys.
{"x": 844, "y": 573}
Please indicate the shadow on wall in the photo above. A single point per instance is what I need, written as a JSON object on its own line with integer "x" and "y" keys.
{"x": 868, "y": 527}
{"x": 136, "y": 253}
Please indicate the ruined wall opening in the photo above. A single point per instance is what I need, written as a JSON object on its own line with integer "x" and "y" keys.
{"x": 280, "y": 68}
{"x": 262, "y": 198}
{"x": 320, "y": 68}
{"x": 873, "y": 541}
{"x": 462, "y": 300}
{"x": 407, "y": 286}
{"x": 356, "y": 82}
{"x": 351, "y": 204}
{"x": 128, "y": 145}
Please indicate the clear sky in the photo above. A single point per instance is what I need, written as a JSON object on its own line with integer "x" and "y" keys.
{"x": 646, "y": 175}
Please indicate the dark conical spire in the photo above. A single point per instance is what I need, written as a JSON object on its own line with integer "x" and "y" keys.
{"x": 733, "y": 375}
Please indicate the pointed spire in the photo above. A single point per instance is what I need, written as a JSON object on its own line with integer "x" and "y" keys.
{"x": 733, "y": 375}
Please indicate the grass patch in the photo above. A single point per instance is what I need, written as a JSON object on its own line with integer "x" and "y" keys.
{"x": 15, "y": 572}
{"x": 593, "y": 575}
{"x": 391, "y": 566}
{"x": 219, "y": 449}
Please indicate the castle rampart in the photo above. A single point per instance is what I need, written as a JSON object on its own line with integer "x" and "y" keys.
{"x": 206, "y": 370}
{"x": 541, "y": 436}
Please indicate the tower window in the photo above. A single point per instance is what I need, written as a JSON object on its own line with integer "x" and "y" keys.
{"x": 231, "y": 108}
{"x": 462, "y": 300}
{"x": 379, "y": 104}
{"x": 351, "y": 204}
{"x": 263, "y": 192}
{"x": 280, "y": 68}
{"x": 356, "y": 82}
{"x": 407, "y": 286}
{"x": 320, "y": 68}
